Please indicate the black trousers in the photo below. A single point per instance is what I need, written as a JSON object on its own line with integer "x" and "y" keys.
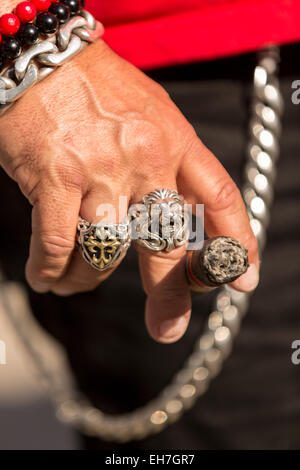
{"x": 255, "y": 402}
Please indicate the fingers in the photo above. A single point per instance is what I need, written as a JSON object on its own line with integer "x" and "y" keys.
{"x": 54, "y": 221}
{"x": 203, "y": 180}
{"x": 80, "y": 276}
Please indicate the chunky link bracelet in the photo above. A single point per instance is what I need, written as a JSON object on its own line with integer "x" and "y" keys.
{"x": 42, "y": 59}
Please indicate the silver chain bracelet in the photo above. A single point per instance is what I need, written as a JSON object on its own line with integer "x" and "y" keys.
{"x": 42, "y": 59}
{"x": 214, "y": 346}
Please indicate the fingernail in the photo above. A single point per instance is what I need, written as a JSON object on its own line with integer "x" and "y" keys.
{"x": 248, "y": 281}
{"x": 173, "y": 329}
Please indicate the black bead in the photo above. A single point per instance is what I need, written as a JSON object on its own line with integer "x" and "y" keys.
{"x": 73, "y": 5}
{"x": 61, "y": 12}
{"x": 10, "y": 48}
{"x": 28, "y": 34}
{"x": 47, "y": 23}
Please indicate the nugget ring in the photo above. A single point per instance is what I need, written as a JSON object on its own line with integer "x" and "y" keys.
{"x": 159, "y": 222}
{"x": 102, "y": 245}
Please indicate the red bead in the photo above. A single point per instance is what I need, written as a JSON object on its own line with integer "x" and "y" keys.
{"x": 42, "y": 5}
{"x": 0, "y": 38}
{"x": 26, "y": 12}
{"x": 9, "y": 24}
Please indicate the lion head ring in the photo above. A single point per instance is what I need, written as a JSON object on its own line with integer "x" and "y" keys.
{"x": 159, "y": 222}
{"x": 102, "y": 246}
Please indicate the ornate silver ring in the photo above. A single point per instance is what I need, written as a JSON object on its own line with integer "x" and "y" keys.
{"x": 159, "y": 222}
{"x": 102, "y": 246}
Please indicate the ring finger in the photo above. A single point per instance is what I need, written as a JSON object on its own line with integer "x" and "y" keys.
{"x": 81, "y": 276}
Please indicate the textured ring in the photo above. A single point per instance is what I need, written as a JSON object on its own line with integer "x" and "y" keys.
{"x": 102, "y": 246}
{"x": 159, "y": 223}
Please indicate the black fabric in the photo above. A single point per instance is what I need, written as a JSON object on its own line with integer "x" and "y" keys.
{"x": 255, "y": 402}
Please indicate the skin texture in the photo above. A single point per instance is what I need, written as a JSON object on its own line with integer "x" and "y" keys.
{"x": 8, "y": 5}
{"x": 96, "y": 129}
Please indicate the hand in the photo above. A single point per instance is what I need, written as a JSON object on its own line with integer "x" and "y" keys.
{"x": 98, "y": 129}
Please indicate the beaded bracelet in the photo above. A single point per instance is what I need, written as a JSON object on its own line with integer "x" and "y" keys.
{"x": 32, "y": 20}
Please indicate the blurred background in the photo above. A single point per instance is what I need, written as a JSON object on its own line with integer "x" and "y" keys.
{"x": 27, "y": 416}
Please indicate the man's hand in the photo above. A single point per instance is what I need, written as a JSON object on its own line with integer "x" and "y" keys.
{"x": 98, "y": 129}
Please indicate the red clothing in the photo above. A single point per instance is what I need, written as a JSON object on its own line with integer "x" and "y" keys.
{"x": 152, "y": 33}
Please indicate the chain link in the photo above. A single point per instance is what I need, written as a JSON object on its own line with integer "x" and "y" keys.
{"x": 223, "y": 324}
{"x": 42, "y": 59}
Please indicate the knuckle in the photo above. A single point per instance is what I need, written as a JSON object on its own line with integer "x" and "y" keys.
{"x": 145, "y": 136}
{"x": 224, "y": 197}
{"x": 145, "y": 139}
